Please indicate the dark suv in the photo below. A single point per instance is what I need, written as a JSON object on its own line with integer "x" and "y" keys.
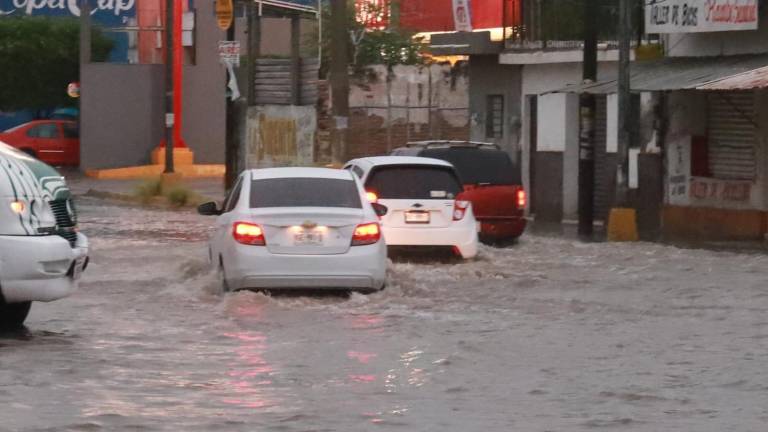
{"x": 491, "y": 182}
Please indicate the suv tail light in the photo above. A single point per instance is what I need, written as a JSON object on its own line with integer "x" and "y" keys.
{"x": 460, "y": 209}
{"x": 248, "y": 234}
{"x": 366, "y": 234}
{"x": 521, "y": 199}
{"x": 371, "y": 196}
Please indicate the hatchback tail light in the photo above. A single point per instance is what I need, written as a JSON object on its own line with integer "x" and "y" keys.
{"x": 460, "y": 209}
{"x": 521, "y": 199}
{"x": 366, "y": 234}
{"x": 248, "y": 234}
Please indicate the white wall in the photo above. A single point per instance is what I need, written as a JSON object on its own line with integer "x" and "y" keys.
{"x": 687, "y": 112}
{"x": 543, "y": 78}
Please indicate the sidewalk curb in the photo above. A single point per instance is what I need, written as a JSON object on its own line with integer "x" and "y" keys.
{"x": 158, "y": 202}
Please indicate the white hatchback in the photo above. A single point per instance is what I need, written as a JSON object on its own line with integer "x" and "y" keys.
{"x": 283, "y": 228}
{"x": 422, "y": 197}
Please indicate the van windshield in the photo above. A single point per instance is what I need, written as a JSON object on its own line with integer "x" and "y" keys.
{"x": 479, "y": 166}
{"x": 414, "y": 182}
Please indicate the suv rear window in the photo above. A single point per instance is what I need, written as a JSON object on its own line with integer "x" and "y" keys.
{"x": 414, "y": 182}
{"x": 476, "y": 166}
{"x": 304, "y": 192}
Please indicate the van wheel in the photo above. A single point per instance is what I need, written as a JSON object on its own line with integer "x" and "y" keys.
{"x": 12, "y": 315}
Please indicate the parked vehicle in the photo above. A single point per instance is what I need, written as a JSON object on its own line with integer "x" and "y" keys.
{"x": 491, "y": 183}
{"x": 298, "y": 228}
{"x": 41, "y": 252}
{"x": 55, "y": 142}
{"x": 422, "y": 196}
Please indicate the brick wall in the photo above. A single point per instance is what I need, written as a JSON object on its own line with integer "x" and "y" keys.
{"x": 390, "y": 108}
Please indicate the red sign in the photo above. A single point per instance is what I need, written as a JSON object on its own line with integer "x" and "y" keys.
{"x": 438, "y": 15}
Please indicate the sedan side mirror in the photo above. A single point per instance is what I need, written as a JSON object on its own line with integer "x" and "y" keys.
{"x": 380, "y": 209}
{"x": 208, "y": 209}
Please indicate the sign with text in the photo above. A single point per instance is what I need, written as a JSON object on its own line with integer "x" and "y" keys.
{"x": 692, "y": 16}
{"x": 462, "y": 15}
{"x": 229, "y": 53}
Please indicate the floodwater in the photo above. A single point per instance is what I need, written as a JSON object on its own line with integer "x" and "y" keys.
{"x": 546, "y": 335}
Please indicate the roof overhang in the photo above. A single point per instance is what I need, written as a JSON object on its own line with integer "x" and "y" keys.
{"x": 742, "y": 72}
{"x": 464, "y": 43}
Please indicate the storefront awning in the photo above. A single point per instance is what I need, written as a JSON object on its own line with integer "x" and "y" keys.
{"x": 741, "y": 72}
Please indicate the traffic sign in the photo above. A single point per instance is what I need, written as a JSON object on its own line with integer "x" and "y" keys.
{"x": 229, "y": 52}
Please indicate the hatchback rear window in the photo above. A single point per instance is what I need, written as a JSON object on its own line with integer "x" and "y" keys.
{"x": 304, "y": 192}
{"x": 479, "y": 166}
{"x": 414, "y": 182}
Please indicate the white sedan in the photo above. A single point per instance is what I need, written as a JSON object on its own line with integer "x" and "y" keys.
{"x": 298, "y": 228}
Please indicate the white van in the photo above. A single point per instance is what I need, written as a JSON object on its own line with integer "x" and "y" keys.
{"x": 41, "y": 252}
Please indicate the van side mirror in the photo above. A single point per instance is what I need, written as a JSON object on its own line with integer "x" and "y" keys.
{"x": 380, "y": 209}
{"x": 208, "y": 209}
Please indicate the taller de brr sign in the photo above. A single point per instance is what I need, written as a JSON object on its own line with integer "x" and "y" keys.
{"x": 692, "y": 16}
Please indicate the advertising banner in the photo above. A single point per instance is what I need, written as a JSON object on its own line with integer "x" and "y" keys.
{"x": 462, "y": 15}
{"x": 692, "y": 16}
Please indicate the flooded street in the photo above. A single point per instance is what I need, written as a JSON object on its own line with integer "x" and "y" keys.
{"x": 547, "y": 335}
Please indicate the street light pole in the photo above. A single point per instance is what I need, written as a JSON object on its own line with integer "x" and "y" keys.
{"x": 169, "y": 84}
{"x": 624, "y": 96}
{"x": 587, "y": 108}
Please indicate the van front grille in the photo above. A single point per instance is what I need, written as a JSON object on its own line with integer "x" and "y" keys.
{"x": 65, "y": 222}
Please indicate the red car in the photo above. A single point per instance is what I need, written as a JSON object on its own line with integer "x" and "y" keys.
{"x": 491, "y": 182}
{"x": 55, "y": 142}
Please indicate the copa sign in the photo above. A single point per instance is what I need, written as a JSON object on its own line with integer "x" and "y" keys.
{"x": 63, "y": 7}
{"x": 694, "y": 16}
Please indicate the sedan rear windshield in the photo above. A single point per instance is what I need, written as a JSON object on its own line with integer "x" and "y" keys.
{"x": 414, "y": 182}
{"x": 479, "y": 166}
{"x": 304, "y": 192}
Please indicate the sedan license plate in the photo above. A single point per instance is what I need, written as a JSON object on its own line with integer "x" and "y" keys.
{"x": 308, "y": 239}
{"x": 417, "y": 217}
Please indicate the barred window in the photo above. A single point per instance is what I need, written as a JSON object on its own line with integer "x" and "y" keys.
{"x": 494, "y": 116}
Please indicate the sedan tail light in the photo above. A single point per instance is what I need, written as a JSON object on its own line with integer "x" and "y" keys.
{"x": 248, "y": 234}
{"x": 460, "y": 209}
{"x": 521, "y": 199}
{"x": 366, "y": 234}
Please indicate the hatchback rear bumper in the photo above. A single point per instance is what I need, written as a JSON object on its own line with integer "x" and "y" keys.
{"x": 462, "y": 236}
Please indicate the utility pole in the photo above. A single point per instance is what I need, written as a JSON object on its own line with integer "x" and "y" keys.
{"x": 587, "y": 108}
{"x": 231, "y": 154}
{"x": 624, "y": 96}
{"x": 339, "y": 70}
{"x": 169, "y": 113}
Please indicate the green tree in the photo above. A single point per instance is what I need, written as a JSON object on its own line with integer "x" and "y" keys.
{"x": 39, "y": 56}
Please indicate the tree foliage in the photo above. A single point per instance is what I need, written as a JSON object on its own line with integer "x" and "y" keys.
{"x": 371, "y": 46}
{"x": 39, "y": 56}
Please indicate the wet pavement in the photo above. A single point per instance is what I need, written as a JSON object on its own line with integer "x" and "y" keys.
{"x": 549, "y": 334}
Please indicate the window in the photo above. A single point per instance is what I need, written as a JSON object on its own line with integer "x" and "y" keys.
{"x": 305, "y": 192}
{"x": 234, "y": 196}
{"x": 494, "y": 116}
{"x": 477, "y": 166}
{"x": 414, "y": 182}
{"x": 45, "y": 130}
{"x": 70, "y": 130}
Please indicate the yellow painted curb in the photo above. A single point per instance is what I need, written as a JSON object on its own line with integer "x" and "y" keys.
{"x": 145, "y": 171}
{"x": 622, "y": 225}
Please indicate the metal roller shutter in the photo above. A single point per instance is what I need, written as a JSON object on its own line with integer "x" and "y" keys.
{"x": 731, "y": 135}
